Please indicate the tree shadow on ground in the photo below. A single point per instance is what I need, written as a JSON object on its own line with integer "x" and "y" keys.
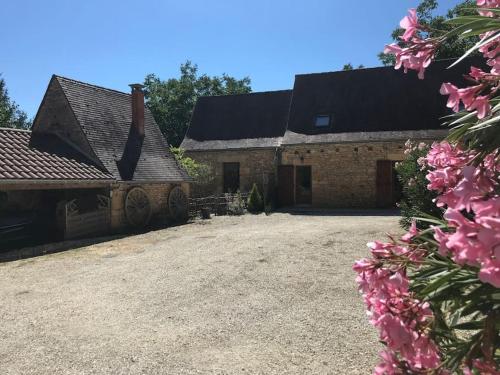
{"x": 26, "y": 252}
{"x": 309, "y": 211}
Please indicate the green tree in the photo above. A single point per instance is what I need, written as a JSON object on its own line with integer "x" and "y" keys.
{"x": 453, "y": 47}
{"x": 255, "y": 204}
{"x": 172, "y": 101}
{"x": 416, "y": 199}
{"x": 11, "y": 116}
{"x": 201, "y": 173}
{"x": 349, "y": 66}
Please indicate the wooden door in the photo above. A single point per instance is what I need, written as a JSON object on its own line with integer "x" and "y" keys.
{"x": 231, "y": 177}
{"x": 285, "y": 185}
{"x": 303, "y": 185}
{"x": 385, "y": 184}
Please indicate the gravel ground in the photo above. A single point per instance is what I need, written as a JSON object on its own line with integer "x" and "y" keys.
{"x": 232, "y": 295}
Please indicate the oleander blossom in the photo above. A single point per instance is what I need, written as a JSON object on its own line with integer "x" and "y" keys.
{"x": 410, "y": 24}
{"x": 405, "y": 281}
{"x": 402, "y": 320}
{"x": 464, "y": 187}
{"x": 488, "y": 4}
{"x": 417, "y": 57}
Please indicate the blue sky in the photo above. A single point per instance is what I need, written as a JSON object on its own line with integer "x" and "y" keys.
{"x": 117, "y": 42}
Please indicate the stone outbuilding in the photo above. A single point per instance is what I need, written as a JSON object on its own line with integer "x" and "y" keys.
{"x": 332, "y": 141}
{"x": 95, "y": 162}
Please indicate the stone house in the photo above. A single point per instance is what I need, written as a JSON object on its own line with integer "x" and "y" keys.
{"x": 332, "y": 141}
{"x": 94, "y": 162}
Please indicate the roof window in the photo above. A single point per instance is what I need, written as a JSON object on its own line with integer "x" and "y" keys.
{"x": 322, "y": 121}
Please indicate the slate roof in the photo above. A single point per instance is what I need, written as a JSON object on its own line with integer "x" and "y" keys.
{"x": 23, "y": 158}
{"x": 370, "y": 104}
{"x": 238, "y": 121}
{"x": 370, "y": 100}
{"x": 105, "y": 117}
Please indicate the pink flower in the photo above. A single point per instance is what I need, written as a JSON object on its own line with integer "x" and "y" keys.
{"x": 484, "y": 368}
{"x": 482, "y": 104}
{"x": 442, "y": 238}
{"x": 468, "y": 95}
{"x": 422, "y": 146}
{"x": 393, "y": 331}
{"x": 495, "y": 65}
{"x": 411, "y": 233}
{"x": 389, "y": 365}
{"x": 418, "y": 57}
{"x": 490, "y": 272}
{"x": 487, "y": 4}
{"x": 454, "y": 97}
{"x": 410, "y": 24}
{"x": 477, "y": 73}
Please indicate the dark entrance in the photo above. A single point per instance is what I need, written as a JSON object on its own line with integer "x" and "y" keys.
{"x": 231, "y": 177}
{"x": 303, "y": 185}
{"x": 285, "y": 185}
{"x": 388, "y": 185}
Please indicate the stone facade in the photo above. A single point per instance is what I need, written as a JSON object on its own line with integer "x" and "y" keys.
{"x": 343, "y": 175}
{"x": 256, "y": 166}
{"x": 56, "y": 117}
{"x": 158, "y": 194}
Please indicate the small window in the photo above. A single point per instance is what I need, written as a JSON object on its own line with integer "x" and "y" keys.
{"x": 322, "y": 121}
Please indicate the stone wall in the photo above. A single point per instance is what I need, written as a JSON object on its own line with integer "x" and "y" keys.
{"x": 56, "y": 117}
{"x": 256, "y": 166}
{"x": 343, "y": 175}
{"x": 158, "y": 194}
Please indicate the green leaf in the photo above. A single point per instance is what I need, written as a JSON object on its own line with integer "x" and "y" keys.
{"x": 470, "y": 325}
{"x": 429, "y": 220}
{"x": 481, "y": 43}
{"x": 439, "y": 282}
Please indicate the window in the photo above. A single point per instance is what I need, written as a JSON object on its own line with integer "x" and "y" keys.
{"x": 322, "y": 121}
{"x": 231, "y": 177}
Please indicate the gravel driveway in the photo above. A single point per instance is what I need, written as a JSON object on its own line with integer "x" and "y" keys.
{"x": 232, "y": 295}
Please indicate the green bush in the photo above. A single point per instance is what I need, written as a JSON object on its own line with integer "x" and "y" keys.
{"x": 202, "y": 174}
{"x": 416, "y": 199}
{"x": 237, "y": 205}
{"x": 255, "y": 203}
{"x": 268, "y": 209}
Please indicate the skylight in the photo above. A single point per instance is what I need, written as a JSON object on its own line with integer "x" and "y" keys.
{"x": 322, "y": 121}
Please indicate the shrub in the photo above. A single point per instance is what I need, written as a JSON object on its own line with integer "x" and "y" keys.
{"x": 237, "y": 205}
{"x": 433, "y": 294}
{"x": 268, "y": 209}
{"x": 255, "y": 203}
{"x": 201, "y": 173}
{"x": 416, "y": 198}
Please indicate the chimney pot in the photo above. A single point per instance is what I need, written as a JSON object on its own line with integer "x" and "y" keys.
{"x": 137, "y": 96}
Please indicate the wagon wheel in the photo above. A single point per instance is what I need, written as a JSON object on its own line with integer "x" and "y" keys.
{"x": 178, "y": 204}
{"x": 138, "y": 207}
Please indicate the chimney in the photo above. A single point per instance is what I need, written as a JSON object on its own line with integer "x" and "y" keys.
{"x": 133, "y": 147}
{"x": 137, "y": 108}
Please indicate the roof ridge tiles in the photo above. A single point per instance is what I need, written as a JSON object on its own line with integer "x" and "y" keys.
{"x": 365, "y": 68}
{"x": 248, "y": 93}
{"x": 2, "y": 128}
{"x": 90, "y": 85}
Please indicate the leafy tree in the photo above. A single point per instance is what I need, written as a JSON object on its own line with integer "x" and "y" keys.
{"x": 11, "y": 116}
{"x": 349, "y": 66}
{"x": 201, "y": 173}
{"x": 255, "y": 203}
{"x": 172, "y": 101}
{"x": 436, "y": 24}
{"x": 416, "y": 200}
